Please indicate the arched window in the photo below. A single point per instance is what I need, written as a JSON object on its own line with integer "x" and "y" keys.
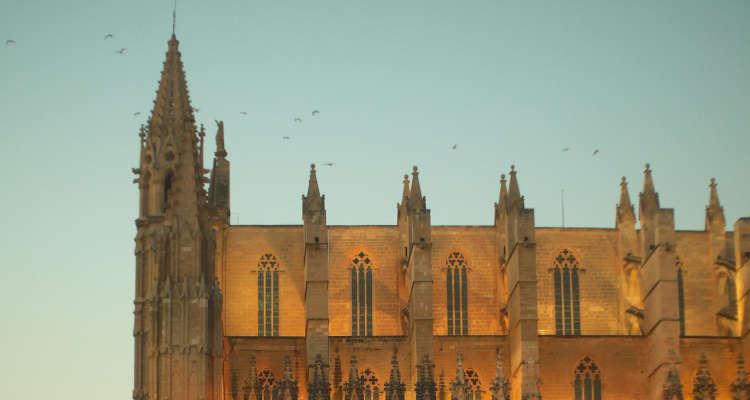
{"x": 370, "y": 384}
{"x": 588, "y": 382}
{"x": 362, "y": 295}
{"x": 567, "y": 302}
{"x": 268, "y": 295}
{"x": 456, "y": 294}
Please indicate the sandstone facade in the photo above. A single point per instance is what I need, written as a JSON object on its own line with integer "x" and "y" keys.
{"x": 480, "y": 312}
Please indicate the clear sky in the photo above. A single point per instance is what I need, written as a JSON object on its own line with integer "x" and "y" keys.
{"x": 397, "y": 83}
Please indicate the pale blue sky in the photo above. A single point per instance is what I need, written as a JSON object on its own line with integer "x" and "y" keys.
{"x": 397, "y": 83}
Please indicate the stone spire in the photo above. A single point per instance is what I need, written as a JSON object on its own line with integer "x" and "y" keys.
{"x": 649, "y": 199}
{"x": 625, "y": 210}
{"x": 401, "y": 207}
{"x": 704, "y": 387}
{"x": 502, "y": 203}
{"x": 313, "y": 201}
{"x": 253, "y": 387}
{"x": 500, "y": 387}
{"x": 318, "y": 387}
{"x": 515, "y": 200}
{"x": 714, "y": 210}
{"x": 337, "y": 394}
{"x": 288, "y": 388}
{"x": 425, "y": 388}
{"x": 416, "y": 200}
{"x": 459, "y": 389}
{"x": 354, "y": 388}
{"x": 394, "y": 388}
{"x": 740, "y": 388}
{"x": 672, "y": 386}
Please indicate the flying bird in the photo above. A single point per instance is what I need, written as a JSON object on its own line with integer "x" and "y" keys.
{"x": 121, "y": 51}
{"x": 566, "y": 149}
{"x": 10, "y": 41}
{"x": 137, "y": 113}
{"x": 108, "y": 36}
{"x": 298, "y": 120}
{"x": 328, "y": 164}
{"x": 315, "y": 112}
{"x": 454, "y": 146}
{"x": 596, "y": 152}
{"x": 285, "y": 137}
{"x": 243, "y": 112}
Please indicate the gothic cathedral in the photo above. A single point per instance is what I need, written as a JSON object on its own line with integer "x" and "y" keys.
{"x": 418, "y": 311}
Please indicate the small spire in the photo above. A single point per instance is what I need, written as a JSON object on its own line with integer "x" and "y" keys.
{"x": 405, "y": 194}
{"x": 740, "y": 388}
{"x": 515, "y": 200}
{"x": 704, "y": 387}
{"x": 416, "y": 200}
{"x": 624, "y": 208}
{"x": 313, "y": 201}
{"x": 649, "y": 199}
{"x": 460, "y": 367}
{"x": 714, "y": 210}
{"x": 502, "y": 202}
{"x": 221, "y": 150}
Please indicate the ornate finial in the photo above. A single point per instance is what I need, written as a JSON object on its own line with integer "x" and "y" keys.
{"x": 312, "y": 166}
{"x": 414, "y": 170}
{"x": 623, "y": 181}
{"x": 502, "y": 177}
{"x": 406, "y": 178}
{"x": 713, "y": 182}
{"x": 648, "y": 167}
{"x": 512, "y": 168}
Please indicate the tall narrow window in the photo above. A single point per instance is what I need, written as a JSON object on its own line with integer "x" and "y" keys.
{"x": 567, "y": 298}
{"x": 587, "y": 383}
{"x": 457, "y": 294}
{"x": 362, "y": 295}
{"x": 268, "y": 296}
{"x": 681, "y": 301}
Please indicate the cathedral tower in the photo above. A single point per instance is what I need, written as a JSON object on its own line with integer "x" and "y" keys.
{"x": 177, "y": 301}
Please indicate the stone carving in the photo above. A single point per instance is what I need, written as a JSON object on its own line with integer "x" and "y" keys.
{"x": 704, "y": 387}
{"x": 672, "y": 385}
{"x": 394, "y": 388}
{"x": 354, "y": 387}
{"x": 318, "y": 387}
{"x": 500, "y": 387}
{"x": 425, "y": 386}
{"x": 288, "y": 388}
{"x": 740, "y": 388}
{"x": 459, "y": 389}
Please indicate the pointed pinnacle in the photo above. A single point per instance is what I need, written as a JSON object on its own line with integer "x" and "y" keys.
{"x": 648, "y": 199}
{"x": 312, "y": 188}
{"x": 714, "y": 210}
{"x": 416, "y": 201}
{"x": 405, "y": 194}
{"x": 515, "y": 200}
{"x": 624, "y": 207}
{"x": 502, "y": 201}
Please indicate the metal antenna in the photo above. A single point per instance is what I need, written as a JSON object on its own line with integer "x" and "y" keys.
{"x": 174, "y": 16}
{"x": 562, "y": 205}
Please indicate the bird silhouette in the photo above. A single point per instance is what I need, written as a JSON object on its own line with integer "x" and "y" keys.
{"x": 454, "y": 146}
{"x": 196, "y": 110}
{"x": 285, "y": 137}
{"x": 108, "y": 36}
{"x": 298, "y": 120}
{"x": 137, "y": 113}
{"x": 596, "y": 152}
{"x": 315, "y": 112}
{"x": 565, "y": 149}
{"x": 243, "y": 112}
{"x": 328, "y": 164}
{"x": 10, "y": 41}
{"x": 121, "y": 51}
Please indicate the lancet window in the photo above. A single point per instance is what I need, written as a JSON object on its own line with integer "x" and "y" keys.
{"x": 588, "y": 382}
{"x": 681, "y": 300}
{"x": 567, "y": 299}
{"x": 268, "y": 295}
{"x": 361, "y": 269}
{"x": 456, "y": 294}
